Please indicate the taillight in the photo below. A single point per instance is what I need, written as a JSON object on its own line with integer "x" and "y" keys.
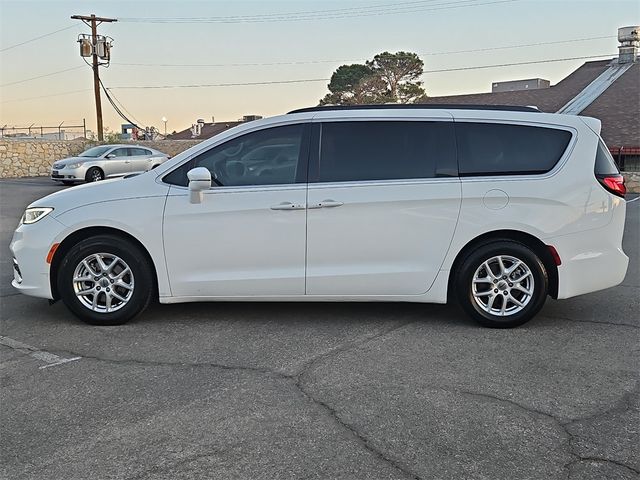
{"x": 613, "y": 184}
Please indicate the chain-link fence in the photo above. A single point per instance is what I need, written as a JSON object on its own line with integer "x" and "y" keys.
{"x": 41, "y": 132}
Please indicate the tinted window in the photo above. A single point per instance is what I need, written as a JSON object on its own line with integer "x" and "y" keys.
{"x": 499, "y": 149}
{"x": 605, "y": 165}
{"x": 120, "y": 152}
{"x": 266, "y": 157}
{"x": 139, "y": 151}
{"x": 95, "y": 152}
{"x": 386, "y": 150}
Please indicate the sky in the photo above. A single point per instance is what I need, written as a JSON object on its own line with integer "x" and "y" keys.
{"x": 221, "y": 42}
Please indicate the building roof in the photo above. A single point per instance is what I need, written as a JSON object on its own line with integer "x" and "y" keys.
{"x": 208, "y": 131}
{"x": 619, "y": 110}
{"x": 617, "y": 107}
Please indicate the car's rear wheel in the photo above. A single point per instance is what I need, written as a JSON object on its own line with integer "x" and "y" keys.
{"x": 94, "y": 174}
{"x": 502, "y": 284}
{"x": 105, "y": 280}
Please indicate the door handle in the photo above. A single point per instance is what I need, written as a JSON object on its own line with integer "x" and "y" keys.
{"x": 327, "y": 204}
{"x": 288, "y": 206}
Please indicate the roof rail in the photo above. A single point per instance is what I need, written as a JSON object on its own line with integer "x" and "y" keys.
{"x": 417, "y": 106}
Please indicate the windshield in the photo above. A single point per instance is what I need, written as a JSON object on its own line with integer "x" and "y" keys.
{"x": 94, "y": 152}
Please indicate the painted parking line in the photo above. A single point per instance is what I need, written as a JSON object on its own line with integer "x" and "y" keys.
{"x": 50, "y": 359}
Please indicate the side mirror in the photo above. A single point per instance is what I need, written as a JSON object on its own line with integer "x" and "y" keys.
{"x": 111, "y": 155}
{"x": 199, "y": 181}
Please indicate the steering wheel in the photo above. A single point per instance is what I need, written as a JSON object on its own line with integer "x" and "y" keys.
{"x": 232, "y": 152}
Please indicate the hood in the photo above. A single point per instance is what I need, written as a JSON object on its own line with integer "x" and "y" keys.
{"x": 66, "y": 161}
{"x": 96, "y": 193}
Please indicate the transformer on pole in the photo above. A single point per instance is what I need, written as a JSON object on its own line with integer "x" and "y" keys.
{"x": 99, "y": 48}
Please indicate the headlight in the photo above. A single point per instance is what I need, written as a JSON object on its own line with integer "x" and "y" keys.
{"x": 32, "y": 215}
{"x": 74, "y": 165}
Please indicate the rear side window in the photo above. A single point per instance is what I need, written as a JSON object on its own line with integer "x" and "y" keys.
{"x": 120, "y": 152}
{"x": 369, "y": 150}
{"x": 140, "y": 151}
{"x": 605, "y": 165}
{"x": 501, "y": 149}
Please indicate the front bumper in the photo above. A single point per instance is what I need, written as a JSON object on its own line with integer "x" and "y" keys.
{"x": 69, "y": 174}
{"x": 29, "y": 247}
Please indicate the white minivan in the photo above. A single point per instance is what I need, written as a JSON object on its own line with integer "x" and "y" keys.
{"x": 493, "y": 207}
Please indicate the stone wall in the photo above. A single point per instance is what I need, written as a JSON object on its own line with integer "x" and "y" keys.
{"x": 33, "y": 158}
{"x": 632, "y": 181}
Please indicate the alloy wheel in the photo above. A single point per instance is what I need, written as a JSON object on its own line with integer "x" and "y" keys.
{"x": 503, "y": 285}
{"x": 103, "y": 282}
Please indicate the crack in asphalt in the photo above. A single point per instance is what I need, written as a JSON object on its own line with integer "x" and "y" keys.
{"x": 333, "y": 413}
{"x": 361, "y": 438}
{"x": 564, "y": 426}
{"x": 601, "y": 460}
{"x": 297, "y": 379}
{"x": 358, "y": 342}
{"x": 615, "y": 324}
{"x": 620, "y": 406}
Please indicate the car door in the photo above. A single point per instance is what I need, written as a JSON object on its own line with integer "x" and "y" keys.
{"x": 247, "y": 236}
{"x": 140, "y": 160}
{"x": 116, "y": 162}
{"x": 383, "y": 203}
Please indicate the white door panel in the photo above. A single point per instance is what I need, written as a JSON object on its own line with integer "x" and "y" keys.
{"x": 235, "y": 243}
{"x": 379, "y": 238}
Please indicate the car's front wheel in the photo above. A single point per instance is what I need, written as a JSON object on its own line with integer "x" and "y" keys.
{"x": 502, "y": 284}
{"x": 105, "y": 280}
{"x": 94, "y": 174}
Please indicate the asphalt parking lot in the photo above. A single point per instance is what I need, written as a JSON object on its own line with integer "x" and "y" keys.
{"x": 293, "y": 391}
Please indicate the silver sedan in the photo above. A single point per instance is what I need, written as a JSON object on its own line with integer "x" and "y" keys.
{"x": 106, "y": 161}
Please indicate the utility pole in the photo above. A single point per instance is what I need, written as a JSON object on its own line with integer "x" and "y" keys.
{"x": 93, "y": 22}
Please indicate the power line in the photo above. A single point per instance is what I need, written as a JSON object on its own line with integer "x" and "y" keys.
{"x": 116, "y": 108}
{"x": 46, "y": 96}
{"x": 302, "y": 16}
{"x": 536, "y": 44}
{"x": 41, "y": 76}
{"x": 309, "y": 62}
{"x": 306, "y": 13}
{"x": 478, "y": 67}
{"x": 273, "y": 82}
{"x": 36, "y": 38}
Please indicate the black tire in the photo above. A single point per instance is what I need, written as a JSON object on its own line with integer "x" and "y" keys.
{"x": 94, "y": 174}
{"x": 501, "y": 289}
{"x": 141, "y": 280}
{"x": 68, "y": 183}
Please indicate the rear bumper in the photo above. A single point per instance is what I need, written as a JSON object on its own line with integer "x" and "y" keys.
{"x": 591, "y": 260}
